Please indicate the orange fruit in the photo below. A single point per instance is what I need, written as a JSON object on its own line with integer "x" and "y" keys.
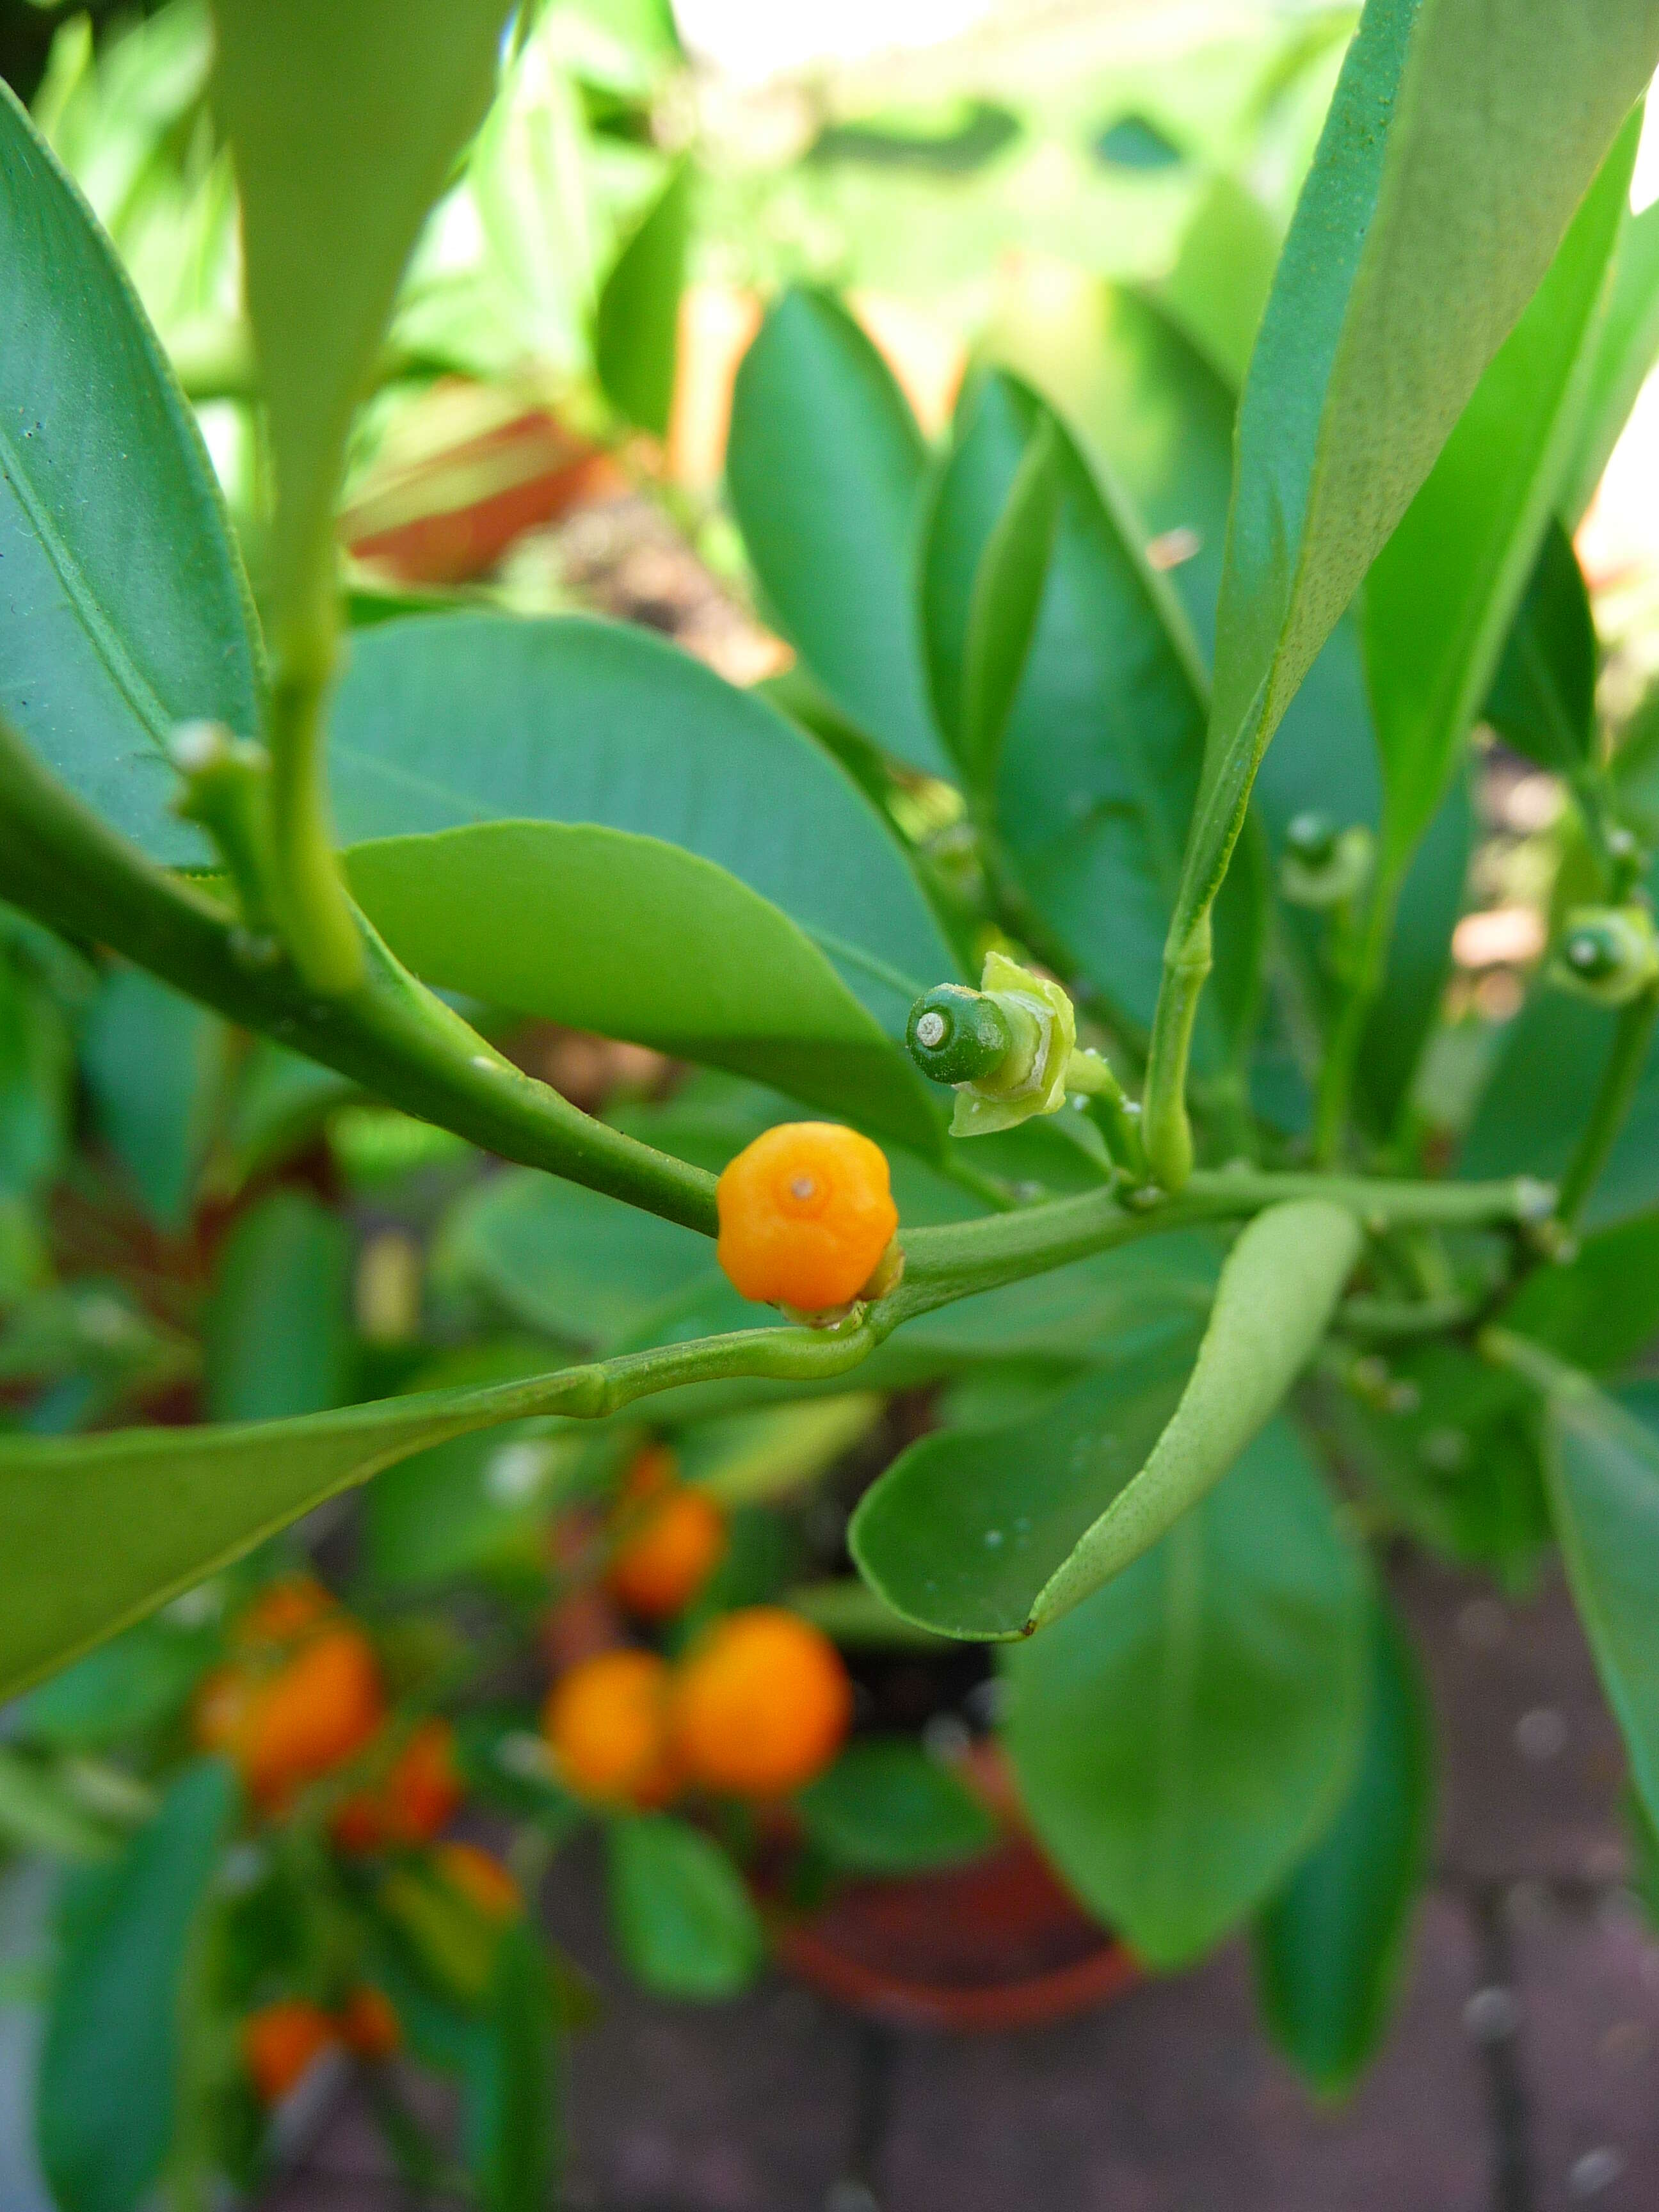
{"x": 806, "y": 1213}
{"x": 280, "y": 2041}
{"x": 483, "y": 1881}
{"x": 419, "y": 1793}
{"x": 369, "y": 2024}
{"x": 284, "y": 1611}
{"x": 287, "y": 1727}
{"x": 761, "y": 1704}
{"x": 607, "y": 1721}
{"x": 673, "y": 1537}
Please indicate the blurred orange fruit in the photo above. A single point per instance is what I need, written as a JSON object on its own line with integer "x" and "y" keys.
{"x": 483, "y": 1881}
{"x": 672, "y": 1538}
{"x": 607, "y": 1721}
{"x": 369, "y": 2024}
{"x": 288, "y": 1727}
{"x": 761, "y": 1704}
{"x": 420, "y": 1793}
{"x": 280, "y": 2043}
{"x": 283, "y": 1611}
{"x": 806, "y": 1213}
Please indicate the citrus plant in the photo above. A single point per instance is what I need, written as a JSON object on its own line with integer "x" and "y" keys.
{"x": 1066, "y": 936}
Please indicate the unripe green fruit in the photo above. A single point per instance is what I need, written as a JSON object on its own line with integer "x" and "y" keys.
{"x": 957, "y": 1036}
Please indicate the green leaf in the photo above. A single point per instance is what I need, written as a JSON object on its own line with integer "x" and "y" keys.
{"x": 683, "y": 1920}
{"x": 1383, "y": 318}
{"x": 125, "y": 1686}
{"x": 992, "y": 1535}
{"x": 343, "y": 123}
{"x": 1223, "y": 274}
{"x": 126, "y": 608}
{"x": 1626, "y": 346}
{"x": 278, "y": 1323}
{"x": 754, "y": 1459}
{"x": 580, "y": 1267}
{"x": 1009, "y": 588}
{"x": 1329, "y": 1948}
{"x": 1529, "y": 1121}
{"x": 476, "y": 1506}
{"x": 604, "y": 929}
{"x": 885, "y": 1807}
{"x": 826, "y": 469}
{"x": 1542, "y": 699}
{"x": 509, "y": 2141}
{"x": 1603, "y": 1471}
{"x": 1441, "y": 594}
{"x": 1601, "y": 1309}
{"x": 1184, "y": 1736}
{"x": 153, "y": 1062}
{"x": 105, "y": 2102}
{"x": 636, "y": 326}
{"x": 591, "y": 723}
{"x": 1408, "y": 1007}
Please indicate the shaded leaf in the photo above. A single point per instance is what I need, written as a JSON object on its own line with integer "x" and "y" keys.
{"x": 1182, "y": 1737}
{"x": 636, "y": 324}
{"x": 682, "y": 1918}
{"x": 278, "y": 1323}
{"x": 508, "y": 2113}
{"x": 153, "y": 1062}
{"x": 1330, "y": 1947}
{"x": 1601, "y": 1309}
{"x": 1542, "y": 699}
{"x": 125, "y": 609}
{"x": 826, "y": 469}
{"x": 886, "y": 1808}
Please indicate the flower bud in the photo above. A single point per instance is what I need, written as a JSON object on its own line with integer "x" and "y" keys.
{"x": 1323, "y": 865}
{"x": 957, "y": 1036}
{"x": 1610, "y": 954}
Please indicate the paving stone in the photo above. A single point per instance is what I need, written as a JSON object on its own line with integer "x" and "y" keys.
{"x": 1587, "y": 1976}
{"x": 1171, "y": 2102}
{"x": 744, "y": 2107}
{"x": 1530, "y": 1761}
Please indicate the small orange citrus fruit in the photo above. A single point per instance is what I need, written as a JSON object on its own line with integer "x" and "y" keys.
{"x": 419, "y": 1793}
{"x": 483, "y": 1881}
{"x": 284, "y": 1611}
{"x": 673, "y": 1537}
{"x": 369, "y": 2024}
{"x": 806, "y": 1213}
{"x": 607, "y": 1721}
{"x": 287, "y": 1727}
{"x": 280, "y": 2041}
{"x": 761, "y": 1704}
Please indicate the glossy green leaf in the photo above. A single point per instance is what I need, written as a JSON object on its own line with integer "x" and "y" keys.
{"x": 992, "y": 1535}
{"x": 683, "y": 1920}
{"x": 1453, "y": 1459}
{"x": 106, "y": 2099}
{"x": 886, "y": 1808}
{"x": 1529, "y": 1121}
{"x": 572, "y": 1262}
{"x": 1184, "y": 1736}
{"x": 154, "y": 1061}
{"x": 590, "y": 722}
{"x": 604, "y": 929}
{"x": 1009, "y": 589}
{"x": 509, "y": 2142}
{"x": 1543, "y": 700}
{"x": 1329, "y": 1948}
{"x": 343, "y": 123}
{"x": 1219, "y": 287}
{"x": 1443, "y": 593}
{"x": 1603, "y": 1468}
{"x": 1625, "y": 347}
{"x": 636, "y": 324}
{"x": 126, "y": 610}
{"x": 1601, "y": 1309}
{"x": 1385, "y": 315}
{"x": 277, "y": 1328}
{"x": 827, "y": 470}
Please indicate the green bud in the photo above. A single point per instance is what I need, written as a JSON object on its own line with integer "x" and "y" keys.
{"x": 1323, "y": 865}
{"x": 1609, "y": 953}
{"x": 957, "y": 1036}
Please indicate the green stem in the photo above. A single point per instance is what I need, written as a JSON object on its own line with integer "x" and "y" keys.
{"x": 315, "y": 916}
{"x": 63, "y": 866}
{"x": 1165, "y": 1130}
{"x": 1620, "y": 1078}
{"x": 1336, "y": 1071}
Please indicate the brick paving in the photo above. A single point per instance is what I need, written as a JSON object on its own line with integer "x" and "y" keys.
{"x": 1522, "y": 2075}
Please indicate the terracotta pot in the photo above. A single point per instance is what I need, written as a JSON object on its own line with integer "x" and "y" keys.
{"x": 993, "y": 1945}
